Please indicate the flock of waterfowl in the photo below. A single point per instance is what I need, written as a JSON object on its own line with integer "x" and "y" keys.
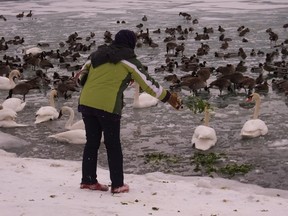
{"x": 186, "y": 48}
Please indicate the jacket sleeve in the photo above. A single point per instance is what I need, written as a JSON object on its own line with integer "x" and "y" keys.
{"x": 84, "y": 73}
{"x": 146, "y": 82}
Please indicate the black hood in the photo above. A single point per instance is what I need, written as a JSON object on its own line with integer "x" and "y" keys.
{"x": 113, "y": 53}
{"x": 126, "y": 37}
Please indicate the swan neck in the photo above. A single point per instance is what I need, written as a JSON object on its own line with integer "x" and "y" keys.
{"x": 70, "y": 119}
{"x": 11, "y": 78}
{"x": 52, "y": 101}
{"x": 257, "y": 108}
{"x": 206, "y": 116}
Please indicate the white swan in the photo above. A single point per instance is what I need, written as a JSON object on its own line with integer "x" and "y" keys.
{"x": 7, "y": 114}
{"x": 8, "y": 83}
{"x": 144, "y": 99}
{"x": 254, "y": 127}
{"x": 204, "y": 137}
{"x": 15, "y": 104}
{"x": 47, "y": 113}
{"x": 33, "y": 51}
{"x": 77, "y": 136}
{"x": 76, "y": 133}
{"x": 69, "y": 124}
{"x": 7, "y": 118}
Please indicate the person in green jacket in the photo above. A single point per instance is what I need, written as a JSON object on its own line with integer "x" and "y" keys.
{"x": 104, "y": 78}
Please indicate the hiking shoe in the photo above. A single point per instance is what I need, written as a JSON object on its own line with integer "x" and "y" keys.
{"x": 96, "y": 186}
{"x": 122, "y": 189}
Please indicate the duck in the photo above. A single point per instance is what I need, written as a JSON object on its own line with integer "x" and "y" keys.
{"x": 8, "y": 83}
{"x": 144, "y": 18}
{"x": 224, "y": 45}
{"x": 262, "y": 87}
{"x": 144, "y": 99}
{"x": 171, "y": 46}
{"x": 7, "y": 118}
{"x": 15, "y": 104}
{"x": 241, "y": 67}
{"x": 254, "y": 127}
{"x": 29, "y": 14}
{"x": 77, "y": 136}
{"x": 258, "y": 69}
{"x": 47, "y": 113}
{"x": 204, "y": 137}
{"x": 69, "y": 124}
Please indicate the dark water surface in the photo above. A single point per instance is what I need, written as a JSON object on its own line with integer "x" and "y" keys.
{"x": 159, "y": 129}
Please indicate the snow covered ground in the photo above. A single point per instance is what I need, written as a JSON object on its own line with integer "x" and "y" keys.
{"x": 51, "y": 187}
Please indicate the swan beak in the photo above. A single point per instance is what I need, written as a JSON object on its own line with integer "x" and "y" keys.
{"x": 249, "y": 98}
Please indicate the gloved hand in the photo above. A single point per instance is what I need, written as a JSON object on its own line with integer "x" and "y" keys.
{"x": 175, "y": 101}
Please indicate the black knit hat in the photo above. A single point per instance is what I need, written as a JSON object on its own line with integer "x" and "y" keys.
{"x": 126, "y": 37}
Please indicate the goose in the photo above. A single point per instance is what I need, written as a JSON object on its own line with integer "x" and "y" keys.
{"x": 69, "y": 124}
{"x": 144, "y": 99}
{"x": 8, "y": 83}
{"x": 254, "y": 127}
{"x": 204, "y": 137}
{"x": 7, "y": 118}
{"x": 204, "y": 73}
{"x": 77, "y": 136}
{"x": 45, "y": 63}
{"x": 193, "y": 84}
{"x": 46, "y": 113}
{"x": 15, "y": 104}
{"x": 221, "y": 83}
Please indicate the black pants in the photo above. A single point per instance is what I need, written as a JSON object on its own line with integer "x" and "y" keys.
{"x": 94, "y": 126}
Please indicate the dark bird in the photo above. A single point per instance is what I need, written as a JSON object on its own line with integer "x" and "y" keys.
{"x": 29, "y": 14}
{"x": 221, "y": 84}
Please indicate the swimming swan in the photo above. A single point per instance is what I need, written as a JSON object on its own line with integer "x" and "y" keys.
{"x": 204, "y": 137}
{"x": 46, "y": 113}
{"x": 77, "y": 136}
{"x": 144, "y": 99}
{"x": 8, "y": 83}
{"x": 15, "y": 104}
{"x": 7, "y": 118}
{"x": 254, "y": 127}
{"x": 69, "y": 124}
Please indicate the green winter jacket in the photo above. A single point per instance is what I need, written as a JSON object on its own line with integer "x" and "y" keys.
{"x": 111, "y": 70}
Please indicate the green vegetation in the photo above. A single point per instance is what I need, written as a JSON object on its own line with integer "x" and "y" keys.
{"x": 205, "y": 163}
{"x": 213, "y": 162}
{"x": 160, "y": 157}
{"x": 196, "y": 104}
